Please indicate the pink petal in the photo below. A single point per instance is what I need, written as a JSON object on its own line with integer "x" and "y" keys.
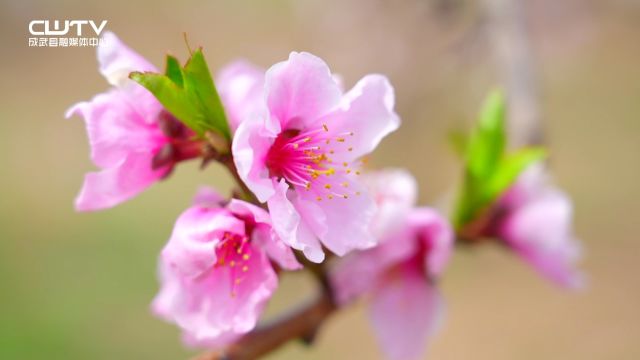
{"x": 348, "y": 221}
{"x": 212, "y": 309}
{"x": 263, "y": 235}
{"x": 540, "y": 232}
{"x": 249, "y": 149}
{"x": 288, "y": 225}
{"x": 395, "y": 193}
{"x": 116, "y": 128}
{"x": 208, "y": 197}
{"x": 437, "y": 236}
{"x": 196, "y": 233}
{"x": 118, "y": 183}
{"x": 240, "y": 85}
{"x": 367, "y": 112}
{"x": 406, "y": 311}
{"x": 117, "y": 60}
{"x": 298, "y": 91}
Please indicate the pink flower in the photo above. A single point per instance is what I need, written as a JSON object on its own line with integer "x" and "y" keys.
{"x": 395, "y": 193}
{"x": 399, "y": 275}
{"x": 301, "y": 152}
{"x": 535, "y": 221}
{"x": 124, "y": 128}
{"x": 216, "y": 270}
{"x": 240, "y": 85}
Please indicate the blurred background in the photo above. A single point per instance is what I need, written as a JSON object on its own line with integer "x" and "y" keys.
{"x": 78, "y": 286}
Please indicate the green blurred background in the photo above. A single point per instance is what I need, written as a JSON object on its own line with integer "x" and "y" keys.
{"x": 77, "y": 286}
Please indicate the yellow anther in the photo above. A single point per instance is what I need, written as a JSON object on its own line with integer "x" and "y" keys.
{"x": 245, "y": 257}
{"x": 324, "y": 126}
{"x": 345, "y": 184}
{"x": 295, "y": 145}
{"x": 329, "y": 196}
{"x": 327, "y": 186}
{"x": 348, "y": 171}
{"x": 345, "y": 164}
{"x": 340, "y": 139}
{"x": 357, "y": 172}
{"x": 307, "y": 186}
{"x": 319, "y": 198}
{"x": 307, "y": 139}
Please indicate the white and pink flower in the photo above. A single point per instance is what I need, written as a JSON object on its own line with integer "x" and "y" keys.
{"x": 301, "y": 154}
{"x": 399, "y": 274}
{"x": 216, "y": 270}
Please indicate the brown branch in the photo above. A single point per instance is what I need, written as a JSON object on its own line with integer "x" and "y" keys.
{"x": 302, "y": 324}
{"x": 508, "y": 35}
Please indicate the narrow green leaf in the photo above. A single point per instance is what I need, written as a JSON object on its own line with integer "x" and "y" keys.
{"x": 189, "y": 94}
{"x": 173, "y": 70}
{"x": 487, "y": 142}
{"x": 171, "y": 96}
{"x": 199, "y": 83}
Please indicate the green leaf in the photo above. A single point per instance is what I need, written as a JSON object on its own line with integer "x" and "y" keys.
{"x": 189, "y": 94}
{"x": 487, "y": 142}
{"x": 173, "y": 70}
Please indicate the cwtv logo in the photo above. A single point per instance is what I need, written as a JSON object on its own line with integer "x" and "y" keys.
{"x": 66, "y": 33}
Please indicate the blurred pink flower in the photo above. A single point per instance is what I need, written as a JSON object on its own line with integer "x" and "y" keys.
{"x": 240, "y": 85}
{"x": 399, "y": 275}
{"x": 301, "y": 152}
{"x": 216, "y": 272}
{"x": 123, "y": 125}
{"x": 534, "y": 219}
{"x": 395, "y": 193}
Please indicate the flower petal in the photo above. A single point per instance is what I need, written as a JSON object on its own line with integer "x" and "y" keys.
{"x": 367, "y": 112}
{"x": 240, "y": 85}
{"x": 347, "y": 220}
{"x": 406, "y": 311}
{"x": 191, "y": 249}
{"x": 298, "y": 91}
{"x": 288, "y": 225}
{"x": 117, "y": 60}
{"x": 395, "y": 193}
{"x": 119, "y": 183}
{"x": 213, "y": 309}
{"x": 436, "y": 235}
{"x": 207, "y": 197}
{"x": 249, "y": 149}
{"x": 115, "y": 128}
{"x": 540, "y": 232}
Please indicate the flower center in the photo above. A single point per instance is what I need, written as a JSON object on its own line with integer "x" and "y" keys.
{"x": 234, "y": 252}
{"x": 305, "y": 159}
